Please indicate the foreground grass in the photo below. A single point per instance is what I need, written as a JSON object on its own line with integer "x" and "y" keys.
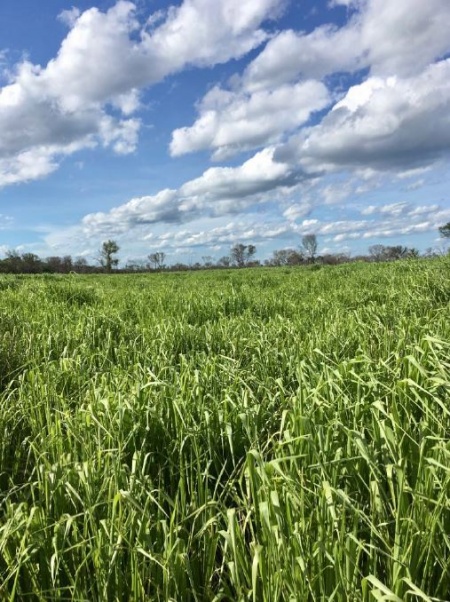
{"x": 278, "y": 435}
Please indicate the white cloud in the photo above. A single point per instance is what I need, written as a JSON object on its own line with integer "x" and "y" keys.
{"x": 392, "y": 222}
{"x": 105, "y": 59}
{"x": 400, "y": 37}
{"x": 219, "y": 192}
{"x": 121, "y": 135}
{"x": 201, "y": 32}
{"x": 388, "y": 221}
{"x": 259, "y": 174}
{"x": 403, "y": 37}
{"x": 401, "y": 210}
{"x": 291, "y": 55}
{"x": 228, "y": 234}
{"x": 69, "y": 16}
{"x": 383, "y": 124}
{"x": 393, "y": 39}
{"x": 297, "y": 210}
{"x": 233, "y": 122}
{"x": 162, "y": 207}
{"x": 416, "y": 185}
{"x": 30, "y": 165}
{"x": 154, "y": 223}
{"x": 393, "y": 209}
{"x": 395, "y": 121}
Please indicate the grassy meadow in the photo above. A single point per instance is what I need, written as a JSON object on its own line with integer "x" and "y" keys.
{"x": 240, "y": 435}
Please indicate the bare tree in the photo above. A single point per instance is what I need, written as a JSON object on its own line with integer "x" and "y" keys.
{"x": 207, "y": 260}
{"x": 377, "y": 252}
{"x": 392, "y": 253}
{"x": 279, "y": 257}
{"x": 157, "y": 260}
{"x": 309, "y": 246}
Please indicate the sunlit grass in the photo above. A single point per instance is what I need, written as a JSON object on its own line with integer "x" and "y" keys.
{"x": 261, "y": 435}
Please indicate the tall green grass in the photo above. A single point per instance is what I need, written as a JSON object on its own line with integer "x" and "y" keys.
{"x": 266, "y": 435}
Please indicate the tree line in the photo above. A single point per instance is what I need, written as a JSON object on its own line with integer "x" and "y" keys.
{"x": 240, "y": 256}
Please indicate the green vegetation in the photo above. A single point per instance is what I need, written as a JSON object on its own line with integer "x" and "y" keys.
{"x": 248, "y": 435}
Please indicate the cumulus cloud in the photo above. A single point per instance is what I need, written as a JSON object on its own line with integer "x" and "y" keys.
{"x": 279, "y": 90}
{"x": 219, "y": 191}
{"x": 210, "y": 231}
{"x": 69, "y": 16}
{"x": 162, "y": 207}
{"x": 394, "y": 209}
{"x": 203, "y": 33}
{"x": 396, "y": 120}
{"x": 388, "y": 123}
{"x": 259, "y": 174}
{"x": 386, "y": 221}
{"x": 225, "y": 205}
{"x": 402, "y": 209}
{"x": 32, "y": 164}
{"x": 291, "y": 55}
{"x": 103, "y": 62}
{"x": 225, "y": 235}
{"x": 215, "y": 196}
{"x": 387, "y": 38}
{"x": 233, "y": 122}
{"x": 395, "y": 220}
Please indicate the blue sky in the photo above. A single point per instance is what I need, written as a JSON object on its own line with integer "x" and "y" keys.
{"x": 187, "y": 127}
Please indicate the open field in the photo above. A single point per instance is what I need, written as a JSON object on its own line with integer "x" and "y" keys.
{"x": 249, "y": 435}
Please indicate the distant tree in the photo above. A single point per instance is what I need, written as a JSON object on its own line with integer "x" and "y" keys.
{"x": 432, "y": 252}
{"x": 224, "y": 261}
{"x": 397, "y": 252}
{"x": 309, "y": 246}
{"x": 413, "y": 253}
{"x": 53, "y": 264}
{"x": 156, "y": 260}
{"x": 295, "y": 257}
{"x": 238, "y": 255}
{"x": 59, "y": 265}
{"x": 282, "y": 257}
{"x": 81, "y": 265}
{"x": 279, "y": 257}
{"x": 444, "y": 231}
{"x": 251, "y": 251}
{"x": 334, "y": 258}
{"x": 242, "y": 254}
{"x": 135, "y": 265}
{"x": 12, "y": 262}
{"x": 107, "y": 259}
{"x": 207, "y": 261}
{"x": 377, "y": 252}
{"x": 392, "y": 253}
{"x": 179, "y": 267}
{"x": 30, "y": 263}
{"x": 67, "y": 264}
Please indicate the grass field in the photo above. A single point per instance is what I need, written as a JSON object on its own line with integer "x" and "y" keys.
{"x": 243, "y": 435}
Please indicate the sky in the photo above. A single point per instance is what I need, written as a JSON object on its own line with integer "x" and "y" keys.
{"x": 186, "y": 127}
